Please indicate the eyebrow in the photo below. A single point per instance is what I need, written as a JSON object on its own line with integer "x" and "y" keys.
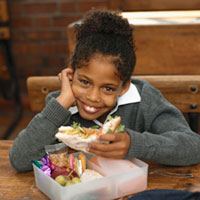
{"x": 104, "y": 84}
{"x": 83, "y": 76}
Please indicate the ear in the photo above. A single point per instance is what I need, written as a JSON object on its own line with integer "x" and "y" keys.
{"x": 125, "y": 88}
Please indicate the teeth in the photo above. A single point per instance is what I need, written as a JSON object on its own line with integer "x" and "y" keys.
{"x": 91, "y": 109}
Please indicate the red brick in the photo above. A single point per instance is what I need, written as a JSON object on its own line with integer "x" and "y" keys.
{"x": 55, "y": 61}
{"x": 62, "y": 47}
{"x": 40, "y": 49}
{"x": 22, "y": 22}
{"x": 34, "y": 62}
{"x": 51, "y": 71}
{"x": 30, "y": 72}
{"x": 44, "y": 35}
{"x": 19, "y": 35}
{"x": 64, "y": 21}
{"x": 16, "y": 9}
{"x": 37, "y": 62}
{"x": 67, "y": 7}
{"x": 88, "y": 5}
{"x": 25, "y": 48}
{"x": 47, "y": 49}
{"x": 38, "y": 31}
{"x": 15, "y": 1}
{"x": 40, "y": 8}
{"x": 42, "y": 22}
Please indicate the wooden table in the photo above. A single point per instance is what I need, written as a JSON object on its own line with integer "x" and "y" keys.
{"x": 17, "y": 186}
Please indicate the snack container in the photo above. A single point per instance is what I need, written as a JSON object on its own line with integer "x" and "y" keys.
{"x": 107, "y": 187}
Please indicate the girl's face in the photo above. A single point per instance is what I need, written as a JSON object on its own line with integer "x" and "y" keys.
{"x": 96, "y": 88}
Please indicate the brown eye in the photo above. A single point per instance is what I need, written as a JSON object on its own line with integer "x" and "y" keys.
{"x": 85, "y": 82}
{"x": 109, "y": 89}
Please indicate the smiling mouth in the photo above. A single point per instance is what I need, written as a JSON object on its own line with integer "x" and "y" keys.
{"x": 89, "y": 109}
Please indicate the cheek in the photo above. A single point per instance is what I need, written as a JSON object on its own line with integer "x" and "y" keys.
{"x": 110, "y": 101}
{"x": 77, "y": 90}
{"x": 75, "y": 87}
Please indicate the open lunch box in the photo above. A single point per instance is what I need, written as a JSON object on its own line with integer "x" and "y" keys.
{"x": 117, "y": 181}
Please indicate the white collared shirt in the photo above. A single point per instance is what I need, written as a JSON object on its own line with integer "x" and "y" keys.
{"x": 131, "y": 96}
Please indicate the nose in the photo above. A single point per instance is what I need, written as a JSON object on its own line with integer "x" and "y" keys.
{"x": 93, "y": 95}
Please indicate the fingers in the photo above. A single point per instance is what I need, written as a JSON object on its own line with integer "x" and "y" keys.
{"x": 112, "y": 137}
{"x": 111, "y": 154}
{"x": 107, "y": 150}
{"x": 59, "y": 76}
{"x": 66, "y": 97}
{"x": 114, "y": 142}
{"x": 70, "y": 73}
{"x": 66, "y": 73}
{"x": 118, "y": 147}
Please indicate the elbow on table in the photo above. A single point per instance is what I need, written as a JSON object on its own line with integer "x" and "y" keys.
{"x": 21, "y": 165}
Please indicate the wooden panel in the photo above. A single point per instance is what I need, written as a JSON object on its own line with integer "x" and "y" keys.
{"x": 70, "y": 33}
{"x": 150, "y": 5}
{"x": 167, "y": 43}
{"x": 4, "y": 33}
{"x": 167, "y": 49}
{"x": 182, "y": 91}
{"x": 71, "y": 37}
{"x": 4, "y": 74}
{"x": 3, "y": 11}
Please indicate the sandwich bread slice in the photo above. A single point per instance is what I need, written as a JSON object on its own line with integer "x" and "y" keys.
{"x": 78, "y": 138}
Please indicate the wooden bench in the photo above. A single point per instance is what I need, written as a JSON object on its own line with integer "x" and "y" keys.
{"x": 153, "y": 5}
{"x": 167, "y": 43}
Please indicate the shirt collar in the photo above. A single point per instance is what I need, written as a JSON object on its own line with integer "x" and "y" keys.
{"x": 131, "y": 96}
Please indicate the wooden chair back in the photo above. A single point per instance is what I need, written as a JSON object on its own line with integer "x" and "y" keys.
{"x": 38, "y": 87}
{"x": 182, "y": 91}
{"x": 153, "y": 5}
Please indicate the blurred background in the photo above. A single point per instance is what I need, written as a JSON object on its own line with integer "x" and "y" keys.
{"x": 34, "y": 42}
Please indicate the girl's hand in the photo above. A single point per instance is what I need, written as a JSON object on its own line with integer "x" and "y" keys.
{"x": 117, "y": 148}
{"x": 66, "y": 97}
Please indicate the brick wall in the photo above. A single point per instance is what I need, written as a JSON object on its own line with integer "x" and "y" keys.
{"x": 38, "y": 34}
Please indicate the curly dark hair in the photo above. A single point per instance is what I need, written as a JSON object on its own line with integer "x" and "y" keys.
{"x": 107, "y": 33}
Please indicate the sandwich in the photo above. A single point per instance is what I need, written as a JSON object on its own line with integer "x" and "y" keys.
{"x": 89, "y": 175}
{"x": 78, "y": 138}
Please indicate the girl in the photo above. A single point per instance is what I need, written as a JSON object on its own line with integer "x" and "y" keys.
{"x": 98, "y": 84}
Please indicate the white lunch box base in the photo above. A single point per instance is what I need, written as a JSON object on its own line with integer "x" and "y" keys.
{"x": 108, "y": 187}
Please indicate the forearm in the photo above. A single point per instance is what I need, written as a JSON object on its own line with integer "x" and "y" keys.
{"x": 170, "y": 148}
{"x": 30, "y": 143}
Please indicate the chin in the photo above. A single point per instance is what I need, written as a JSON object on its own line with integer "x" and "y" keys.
{"x": 87, "y": 116}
